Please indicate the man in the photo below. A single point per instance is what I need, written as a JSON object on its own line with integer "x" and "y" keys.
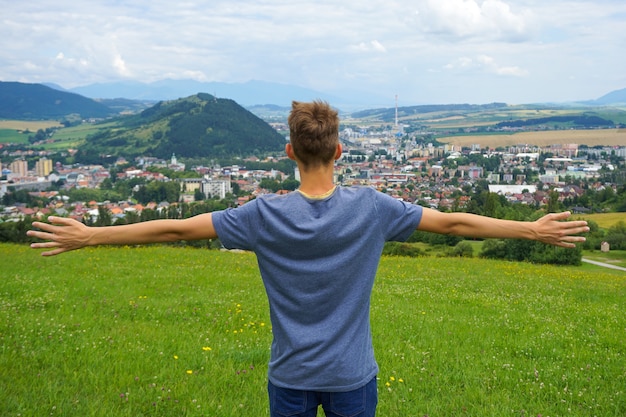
{"x": 318, "y": 249}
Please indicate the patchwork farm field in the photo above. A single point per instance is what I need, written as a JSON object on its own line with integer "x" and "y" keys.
{"x": 33, "y": 126}
{"x": 17, "y": 131}
{"x": 591, "y": 137}
{"x": 604, "y": 220}
{"x": 166, "y": 331}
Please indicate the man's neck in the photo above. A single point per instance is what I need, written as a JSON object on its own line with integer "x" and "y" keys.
{"x": 317, "y": 181}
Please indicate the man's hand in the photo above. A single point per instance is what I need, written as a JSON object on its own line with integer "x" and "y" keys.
{"x": 551, "y": 229}
{"x": 62, "y": 235}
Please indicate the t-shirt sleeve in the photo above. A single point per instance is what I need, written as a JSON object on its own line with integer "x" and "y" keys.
{"x": 398, "y": 218}
{"x": 234, "y": 226}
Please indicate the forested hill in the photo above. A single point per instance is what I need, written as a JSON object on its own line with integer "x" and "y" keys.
{"x": 36, "y": 101}
{"x": 196, "y": 126}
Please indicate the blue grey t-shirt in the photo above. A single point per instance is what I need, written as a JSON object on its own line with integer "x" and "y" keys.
{"x": 318, "y": 259}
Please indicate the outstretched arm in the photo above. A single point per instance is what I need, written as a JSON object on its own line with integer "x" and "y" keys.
{"x": 64, "y": 234}
{"x": 549, "y": 229}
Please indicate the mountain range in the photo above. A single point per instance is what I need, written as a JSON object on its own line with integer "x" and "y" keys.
{"x": 198, "y": 125}
{"x": 50, "y": 101}
{"x": 247, "y": 94}
{"x": 37, "y": 101}
{"x": 614, "y": 97}
{"x": 254, "y": 93}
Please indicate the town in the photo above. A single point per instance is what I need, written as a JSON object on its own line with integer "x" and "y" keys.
{"x": 401, "y": 164}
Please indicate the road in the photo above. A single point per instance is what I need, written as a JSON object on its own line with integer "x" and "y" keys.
{"x": 603, "y": 264}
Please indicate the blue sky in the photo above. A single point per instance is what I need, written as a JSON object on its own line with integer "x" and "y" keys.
{"x": 425, "y": 51}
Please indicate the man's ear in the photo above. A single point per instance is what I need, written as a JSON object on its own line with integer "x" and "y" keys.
{"x": 338, "y": 151}
{"x": 289, "y": 151}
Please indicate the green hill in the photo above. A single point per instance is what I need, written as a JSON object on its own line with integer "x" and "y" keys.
{"x": 196, "y": 126}
{"x": 168, "y": 331}
{"x": 20, "y": 101}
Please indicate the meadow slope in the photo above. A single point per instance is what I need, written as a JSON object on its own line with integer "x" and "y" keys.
{"x": 165, "y": 331}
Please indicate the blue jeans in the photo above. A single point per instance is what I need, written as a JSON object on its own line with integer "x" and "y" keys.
{"x": 295, "y": 403}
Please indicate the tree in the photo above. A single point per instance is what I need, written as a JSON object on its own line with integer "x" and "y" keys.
{"x": 290, "y": 184}
{"x": 198, "y": 195}
{"x": 554, "y": 205}
{"x": 519, "y": 250}
{"x": 463, "y": 249}
{"x": 269, "y": 184}
{"x": 158, "y": 191}
{"x": 104, "y": 217}
{"x": 16, "y": 231}
{"x": 616, "y": 236}
{"x": 106, "y": 184}
{"x": 491, "y": 206}
{"x": 493, "y": 249}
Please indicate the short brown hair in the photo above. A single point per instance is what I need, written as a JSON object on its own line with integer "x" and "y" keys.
{"x": 314, "y": 132}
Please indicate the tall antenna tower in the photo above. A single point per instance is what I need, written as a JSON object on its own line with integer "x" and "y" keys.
{"x": 396, "y": 110}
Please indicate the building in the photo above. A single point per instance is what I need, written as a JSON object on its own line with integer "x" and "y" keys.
{"x": 43, "y": 167}
{"x": 190, "y": 185}
{"x": 207, "y": 186}
{"x": 216, "y": 188}
{"x": 512, "y": 189}
{"x": 19, "y": 168}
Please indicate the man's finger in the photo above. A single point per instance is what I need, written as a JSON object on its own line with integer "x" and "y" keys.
{"x": 40, "y": 235}
{"x": 560, "y": 216}
{"x": 44, "y": 245}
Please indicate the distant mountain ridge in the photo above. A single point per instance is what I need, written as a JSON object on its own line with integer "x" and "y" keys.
{"x": 37, "y": 101}
{"x": 614, "y": 97}
{"x": 51, "y": 101}
{"x": 254, "y": 93}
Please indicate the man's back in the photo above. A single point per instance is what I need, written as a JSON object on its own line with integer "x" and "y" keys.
{"x": 318, "y": 259}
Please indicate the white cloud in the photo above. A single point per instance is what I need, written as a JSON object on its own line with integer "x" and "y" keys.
{"x": 120, "y": 66}
{"x": 492, "y": 19}
{"x": 490, "y": 65}
{"x": 485, "y": 64}
{"x": 369, "y": 46}
{"x": 431, "y": 50}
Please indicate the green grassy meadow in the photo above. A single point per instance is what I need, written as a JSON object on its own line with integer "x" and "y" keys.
{"x": 16, "y": 131}
{"x": 12, "y": 136}
{"x": 165, "y": 331}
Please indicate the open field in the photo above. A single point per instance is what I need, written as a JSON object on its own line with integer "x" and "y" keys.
{"x": 33, "y": 126}
{"x": 16, "y": 131}
{"x": 79, "y": 132}
{"x": 73, "y": 136}
{"x": 12, "y": 136}
{"x": 606, "y": 137}
{"x": 484, "y": 117}
{"x": 604, "y": 220}
{"x": 11, "y": 131}
{"x": 166, "y": 331}
{"x": 447, "y": 119}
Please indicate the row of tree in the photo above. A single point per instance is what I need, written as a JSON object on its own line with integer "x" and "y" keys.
{"x": 507, "y": 249}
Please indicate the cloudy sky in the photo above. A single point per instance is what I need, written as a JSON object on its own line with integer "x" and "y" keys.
{"x": 425, "y": 51}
